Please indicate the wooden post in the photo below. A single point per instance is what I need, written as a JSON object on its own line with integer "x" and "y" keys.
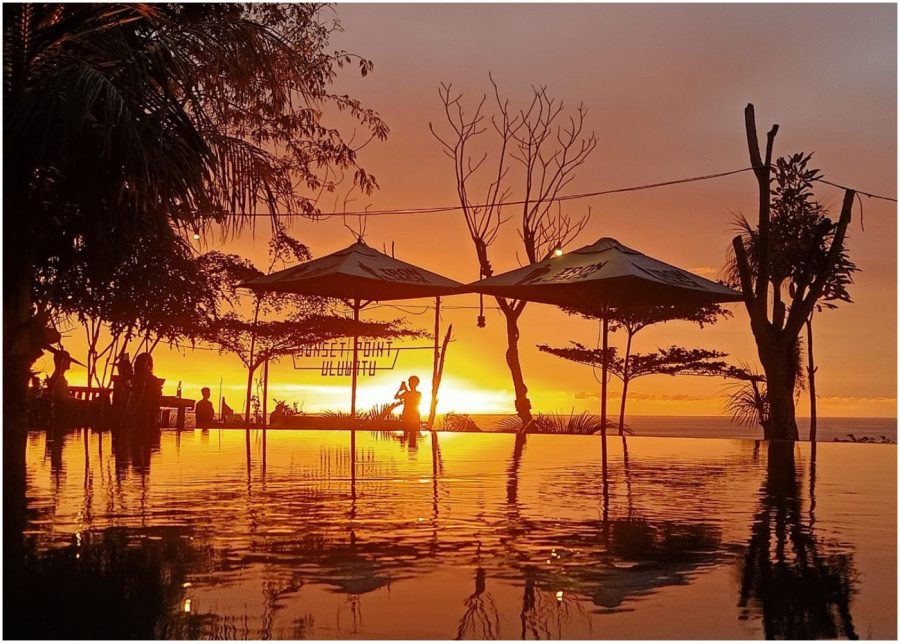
{"x": 435, "y": 382}
{"x": 811, "y": 378}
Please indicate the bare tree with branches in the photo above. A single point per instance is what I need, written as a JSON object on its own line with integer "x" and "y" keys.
{"x": 548, "y": 144}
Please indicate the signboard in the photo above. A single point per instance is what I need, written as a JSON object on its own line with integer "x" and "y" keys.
{"x": 335, "y": 358}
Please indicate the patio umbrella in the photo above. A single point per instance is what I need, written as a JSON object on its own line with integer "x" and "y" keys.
{"x": 359, "y": 275}
{"x": 604, "y": 275}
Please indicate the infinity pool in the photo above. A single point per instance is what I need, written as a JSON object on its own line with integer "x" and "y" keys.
{"x": 225, "y": 534}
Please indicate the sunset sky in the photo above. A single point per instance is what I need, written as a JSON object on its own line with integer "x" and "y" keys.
{"x": 665, "y": 86}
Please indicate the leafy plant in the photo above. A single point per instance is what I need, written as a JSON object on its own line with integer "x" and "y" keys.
{"x": 458, "y": 422}
{"x": 866, "y": 439}
{"x": 674, "y": 360}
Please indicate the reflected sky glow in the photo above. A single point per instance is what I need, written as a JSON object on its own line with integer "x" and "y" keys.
{"x": 471, "y": 536}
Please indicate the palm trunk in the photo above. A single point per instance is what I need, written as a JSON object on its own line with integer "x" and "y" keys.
{"x": 811, "y": 376}
{"x": 523, "y": 404}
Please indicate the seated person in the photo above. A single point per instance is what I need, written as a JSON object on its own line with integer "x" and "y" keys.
{"x": 203, "y": 410}
{"x": 410, "y": 398}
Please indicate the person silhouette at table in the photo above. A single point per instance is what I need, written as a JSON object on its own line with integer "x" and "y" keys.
{"x": 203, "y": 410}
{"x": 410, "y": 398}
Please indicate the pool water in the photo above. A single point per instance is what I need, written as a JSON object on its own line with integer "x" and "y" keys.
{"x": 285, "y": 534}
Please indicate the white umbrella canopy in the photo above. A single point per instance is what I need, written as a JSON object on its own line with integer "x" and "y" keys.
{"x": 357, "y": 273}
{"x": 605, "y": 274}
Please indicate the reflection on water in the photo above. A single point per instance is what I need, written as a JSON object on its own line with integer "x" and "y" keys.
{"x": 802, "y": 590}
{"x": 279, "y": 534}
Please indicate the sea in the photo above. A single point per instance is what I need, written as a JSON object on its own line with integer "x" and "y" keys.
{"x": 711, "y": 426}
{"x": 830, "y": 429}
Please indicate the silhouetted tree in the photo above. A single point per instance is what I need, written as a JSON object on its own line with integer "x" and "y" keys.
{"x": 255, "y": 342}
{"x": 796, "y": 220}
{"x": 550, "y": 145}
{"x": 674, "y": 360}
{"x": 159, "y": 293}
{"x": 777, "y": 328}
{"x": 634, "y": 320}
{"x": 124, "y": 120}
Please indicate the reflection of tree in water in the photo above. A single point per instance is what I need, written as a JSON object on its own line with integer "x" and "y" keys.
{"x": 606, "y": 560}
{"x": 113, "y": 583}
{"x": 544, "y": 611}
{"x": 480, "y": 620}
{"x": 799, "y": 591}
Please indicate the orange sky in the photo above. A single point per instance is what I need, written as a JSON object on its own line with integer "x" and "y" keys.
{"x": 666, "y": 86}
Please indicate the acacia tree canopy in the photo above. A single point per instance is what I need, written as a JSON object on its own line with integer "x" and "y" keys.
{"x": 674, "y": 360}
{"x": 274, "y": 339}
{"x": 633, "y": 320}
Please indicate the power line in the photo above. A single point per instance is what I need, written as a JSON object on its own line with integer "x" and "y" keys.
{"x": 866, "y": 194}
{"x": 452, "y": 208}
{"x": 559, "y": 199}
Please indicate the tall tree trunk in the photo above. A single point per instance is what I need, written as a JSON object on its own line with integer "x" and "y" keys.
{"x": 19, "y": 342}
{"x": 811, "y": 378}
{"x": 250, "y": 371}
{"x": 250, "y": 364}
{"x": 625, "y": 380}
{"x": 777, "y": 355}
{"x": 523, "y": 404}
{"x": 622, "y": 406}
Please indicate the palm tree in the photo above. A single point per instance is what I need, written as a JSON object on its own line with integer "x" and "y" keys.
{"x": 122, "y": 121}
{"x": 634, "y": 320}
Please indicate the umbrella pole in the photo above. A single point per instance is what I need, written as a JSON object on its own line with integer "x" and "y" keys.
{"x": 603, "y": 380}
{"x": 265, "y": 414}
{"x": 354, "y": 374}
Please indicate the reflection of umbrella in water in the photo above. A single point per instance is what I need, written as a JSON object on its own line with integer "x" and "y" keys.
{"x": 601, "y": 276}
{"x": 358, "y": 275}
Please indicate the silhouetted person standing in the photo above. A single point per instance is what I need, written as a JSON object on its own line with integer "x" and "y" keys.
{"x": 203, "y": 410}
{"x": 410, "y": 398}
{"x": 59, "y": 386}
{"x": 146, "y": 395}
